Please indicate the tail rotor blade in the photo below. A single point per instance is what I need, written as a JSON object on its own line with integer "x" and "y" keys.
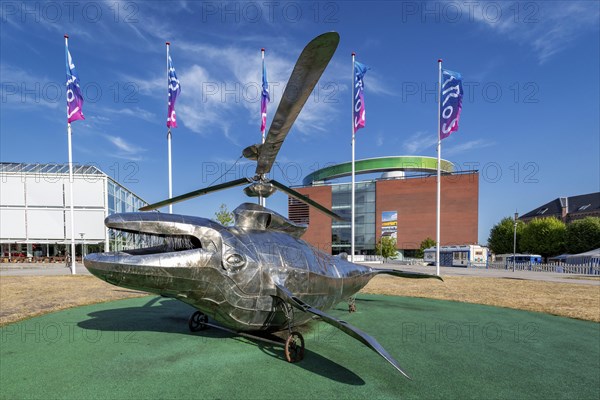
{"x": 299, "y": 196}
{"x": 307, "y": 72}
{"x": 196, "y": 193}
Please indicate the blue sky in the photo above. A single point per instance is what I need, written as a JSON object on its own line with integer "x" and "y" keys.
{"x": 530, "y": 120}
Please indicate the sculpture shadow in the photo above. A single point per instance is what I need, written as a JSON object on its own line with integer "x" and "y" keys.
{"x": 171, "y": 316}
{"x": 157, "y": 315}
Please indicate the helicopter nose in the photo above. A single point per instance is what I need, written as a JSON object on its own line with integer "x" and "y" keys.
{"x": 102, "y": 266}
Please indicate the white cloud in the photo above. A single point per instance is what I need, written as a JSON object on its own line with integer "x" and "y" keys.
{"x": 125, "y": 149}
{"x": 24, "y": 90}
{"x": 374, "y": 84}
{"x": 419, "y": 142}
{"x": 547, "y": 27}
{"x": 155, "y": 86}
{"x": 466, "y": 146}
{"x": 205, "y": 108}
{"x": 229, "y": 83}
{"x": 136, "y": 112}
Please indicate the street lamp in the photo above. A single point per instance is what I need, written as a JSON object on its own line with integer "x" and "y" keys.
{"x": 515, "y": 241}
{"x": 82, "y": 245}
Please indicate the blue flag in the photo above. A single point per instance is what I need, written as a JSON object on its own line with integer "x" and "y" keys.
{"x": 74, "y": 97}
{"x": 358, "y": 99}
{"x": 264, "y": 99}
{"x": 451, "y": 94}
{"x": 174, "y": 90}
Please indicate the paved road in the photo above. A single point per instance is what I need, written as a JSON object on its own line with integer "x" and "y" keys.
{"x": 40, "y": 269}
{"x": 24, "y": 269}
{"x": 499, "y": 273}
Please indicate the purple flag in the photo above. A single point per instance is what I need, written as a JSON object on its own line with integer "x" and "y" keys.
{"x": 174, "y": 90}
{"x": 451, "y": 93}
{"x": 264, "y": 99}
{"x": 74, "y": 97}
{"x": 358, "y": 100}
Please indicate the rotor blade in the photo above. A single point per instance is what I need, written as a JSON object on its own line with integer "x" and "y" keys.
{"x": 299, "y": 196}
{"x": 352, "y": 331}
{"x": 306, "y": 74}
{"x": 195, "y": 193}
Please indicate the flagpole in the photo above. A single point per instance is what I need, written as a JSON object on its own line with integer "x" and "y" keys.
{"x": 169, "y": 139}
{"x": 261, "y": 200}
{"x": 72, "y": 212}
{"x": 262, "y": 52}
{"x": 170, "y": 170}
{"x": 439, "y": 159}
{"x": 353, "y": 156}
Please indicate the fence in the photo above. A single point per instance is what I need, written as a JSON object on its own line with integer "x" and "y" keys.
{"x": 586, "y": 269}
{"x": 367, "y": 258}
{"x": 37, "y": 259}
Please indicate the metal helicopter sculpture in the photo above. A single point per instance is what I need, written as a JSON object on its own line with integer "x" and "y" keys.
{"x": 257, "y": 275}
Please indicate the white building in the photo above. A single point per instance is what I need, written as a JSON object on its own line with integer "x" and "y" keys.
{"x": 35, "y": 218}
{"x": 458, "y": 256}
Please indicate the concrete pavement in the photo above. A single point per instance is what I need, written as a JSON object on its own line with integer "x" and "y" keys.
{"x": 497, "y": 273}
{"x": 40, "y": 269}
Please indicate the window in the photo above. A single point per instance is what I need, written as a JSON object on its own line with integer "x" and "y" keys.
{"x": 298, "y": 211}
{"x": 542, "y": 211}
{"x": 583, "y": 207}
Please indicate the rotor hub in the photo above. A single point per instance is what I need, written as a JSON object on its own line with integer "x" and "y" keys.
{"x": 260, "y": 189}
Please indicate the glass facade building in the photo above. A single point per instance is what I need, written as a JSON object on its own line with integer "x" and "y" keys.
{"x": 35, "y": 211}
{"x": 364, "y": 225}
{"x": 121, "y": 200}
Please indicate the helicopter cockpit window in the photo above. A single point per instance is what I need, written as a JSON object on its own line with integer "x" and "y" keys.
{"x": 293, "y": 257}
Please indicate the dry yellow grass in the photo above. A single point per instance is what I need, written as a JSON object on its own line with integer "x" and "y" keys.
{"x": 25, "y": 297}
{"x": 564, "y": 299}
{"x": 586, "y": 278}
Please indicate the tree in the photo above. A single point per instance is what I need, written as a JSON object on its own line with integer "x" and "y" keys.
{"x": 386, "y": 247}
{"x": 544, "y": 236}
{"x": 501, "y": 239}
{"x": 223, "y": 216}
{"x": 425, "y": 244}
{"x": 583, "y": 235}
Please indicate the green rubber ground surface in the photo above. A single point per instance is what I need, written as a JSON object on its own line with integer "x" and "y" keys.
{"x": 141, "y": 348}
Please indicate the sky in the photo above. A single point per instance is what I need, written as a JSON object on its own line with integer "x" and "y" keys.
{"x": 529, "y": 123}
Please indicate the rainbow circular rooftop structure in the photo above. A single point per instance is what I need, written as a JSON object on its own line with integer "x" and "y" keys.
{"x": 401, "y": 164}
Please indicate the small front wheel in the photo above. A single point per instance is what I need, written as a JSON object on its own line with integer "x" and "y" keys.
{"x": 197, "y": 321}
{"x": 294, "y": 347}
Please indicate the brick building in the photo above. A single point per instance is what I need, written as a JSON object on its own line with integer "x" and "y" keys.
{"x": 401, "y": 203}
{"x": 567, "y": 209}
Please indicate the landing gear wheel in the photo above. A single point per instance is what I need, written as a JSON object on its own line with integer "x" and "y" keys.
{"x": 197, "y": 321}
{"x": 294, "y": 347}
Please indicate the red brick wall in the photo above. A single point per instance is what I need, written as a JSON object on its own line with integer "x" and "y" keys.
{"x": 415, "y": 201}
{"x": 319, "y": 229}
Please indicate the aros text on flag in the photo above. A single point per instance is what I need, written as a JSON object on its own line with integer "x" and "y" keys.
{"x": 264, "y": 99}
{"x": 174, "y": 90}
{"x": 358, "y": 100}
{"x": 451, "y": 93}
{"x": 74, "y": 97}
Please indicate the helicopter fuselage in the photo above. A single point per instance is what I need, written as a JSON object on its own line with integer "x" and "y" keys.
{"x": 230, "y": 273}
